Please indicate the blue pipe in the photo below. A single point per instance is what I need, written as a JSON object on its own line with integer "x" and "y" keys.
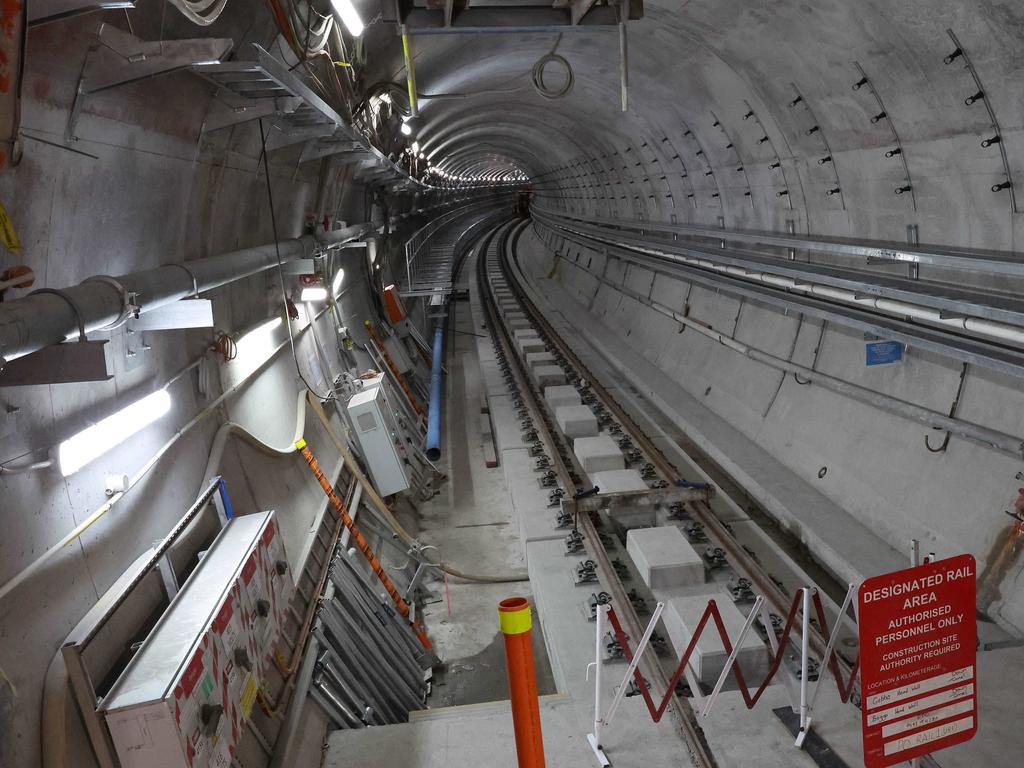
{"x": 229, "y": 513}
{"x": 434, "y": 411}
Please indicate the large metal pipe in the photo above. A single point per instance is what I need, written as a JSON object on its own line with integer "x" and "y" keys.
{"x": 434, "y": 411}
{"x": 42, "y": 319}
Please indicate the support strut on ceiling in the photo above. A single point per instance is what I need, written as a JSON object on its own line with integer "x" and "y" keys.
{"x": 118, "y": 58}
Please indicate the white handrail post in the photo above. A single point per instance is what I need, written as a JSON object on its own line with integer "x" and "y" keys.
{"x": 595, "y": 737}
{"x": 805, "y": 720}
{"x": 732, "y": 656}
{"x": 637, "y": 654}
{"x": 850, "y": 591}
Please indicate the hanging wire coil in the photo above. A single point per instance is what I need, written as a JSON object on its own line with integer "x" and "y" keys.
{"x": 538, "y": 74}
{"x": 203, "y": 13}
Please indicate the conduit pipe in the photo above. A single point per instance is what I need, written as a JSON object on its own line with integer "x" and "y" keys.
{"x": 1002, "y": 331}
{"x": 973, "y": 325}
{"x": 991, "y": 438}
{"x": 434, "y": 410}
{"x": 42, "y": 319}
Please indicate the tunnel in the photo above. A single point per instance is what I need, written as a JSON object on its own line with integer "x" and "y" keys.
{"x": 511, "y": 383}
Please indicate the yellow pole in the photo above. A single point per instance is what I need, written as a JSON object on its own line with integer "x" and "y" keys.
{"x": 410, "y": 74}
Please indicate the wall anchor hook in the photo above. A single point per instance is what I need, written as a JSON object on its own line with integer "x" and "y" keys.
{"x": 952, "y": 412}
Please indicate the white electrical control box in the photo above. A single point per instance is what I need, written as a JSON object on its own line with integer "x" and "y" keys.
{"x": 379, "y": 436}
{"x": 183, "y": 699}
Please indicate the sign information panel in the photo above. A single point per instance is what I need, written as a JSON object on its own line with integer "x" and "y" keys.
{"x": 917, "y": 660}
{"x": 883, "y": 352}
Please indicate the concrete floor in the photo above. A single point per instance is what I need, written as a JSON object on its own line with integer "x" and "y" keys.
{"x": 498, "y": 518}
{"x": 472, "y": 520}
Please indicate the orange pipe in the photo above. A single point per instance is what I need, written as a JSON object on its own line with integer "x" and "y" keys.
{"x": 361, "y": 543}
{"x": 515, "y": 621}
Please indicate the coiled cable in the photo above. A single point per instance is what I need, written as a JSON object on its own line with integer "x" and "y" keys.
{"x": 538, "y": 74}
{"x": 203, "y": 13}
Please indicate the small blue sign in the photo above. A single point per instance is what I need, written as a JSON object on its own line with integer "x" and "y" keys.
{"x": 882, "y": 352}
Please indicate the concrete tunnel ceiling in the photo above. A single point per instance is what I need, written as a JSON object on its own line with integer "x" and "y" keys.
{"x": 706, "y": 62}
{"x": 727, "y": 256}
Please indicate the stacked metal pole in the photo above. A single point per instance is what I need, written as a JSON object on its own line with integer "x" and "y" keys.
{"x": 371, "y": 668}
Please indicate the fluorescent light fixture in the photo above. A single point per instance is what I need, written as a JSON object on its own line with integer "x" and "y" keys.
{"x": 406, "y": 129}
{"x": 313, "y": 293}
{"x": 349, "y": 15}
{"x": 338, "y": 279}
{"x": 94, "y": 441}
{"x": 263, "y": 329}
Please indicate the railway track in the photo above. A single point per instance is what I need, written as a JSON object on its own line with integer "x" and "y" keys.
{"x": 497, "y": 272}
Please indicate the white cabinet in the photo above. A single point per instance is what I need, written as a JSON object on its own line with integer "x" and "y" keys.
{"x": 380, "y": 438}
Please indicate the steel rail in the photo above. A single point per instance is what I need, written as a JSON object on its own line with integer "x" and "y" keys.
{"x": 690, "y": 730}
{"x": 717, "y": 532}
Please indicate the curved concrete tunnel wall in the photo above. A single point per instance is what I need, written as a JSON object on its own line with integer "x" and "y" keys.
{"x": 729, "y": 106}
{"x": 144, "y": 186}
{"x": 711, "y": 62}
{"x": 154, "y": 197}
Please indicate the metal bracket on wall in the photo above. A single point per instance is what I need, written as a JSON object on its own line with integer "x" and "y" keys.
{"x": 952, "y": 412}
{"x": 440, "y": 17}
{"x": 118, "y": 58}
{"x": 907, "y": 186}
{"x": 266, "y": 88}
{"x": 44, "y": 11}
{"x": 740, "y": 166}
{"x": 826, "y": 152}
{"x": 69, "y": 362}
{"x": 135, "y": 346}
{"x": 982, "y": 96}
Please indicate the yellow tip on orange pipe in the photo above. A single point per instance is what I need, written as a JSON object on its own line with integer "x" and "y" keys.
{"x": 516, "y": 621}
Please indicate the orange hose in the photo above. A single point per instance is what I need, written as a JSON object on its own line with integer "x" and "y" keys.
{"x": 515, "y": 621}
{"x": 361, "y": 543}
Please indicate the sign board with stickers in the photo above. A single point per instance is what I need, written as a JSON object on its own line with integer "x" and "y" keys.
{"x": 918, "y": 637}
{"x": 183, "y": 700}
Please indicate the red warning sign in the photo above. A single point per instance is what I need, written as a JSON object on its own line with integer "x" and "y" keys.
{"x": 917, "y": 660}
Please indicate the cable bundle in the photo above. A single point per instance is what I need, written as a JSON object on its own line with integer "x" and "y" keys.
{"x": 203, "y": 13}
{"x": 538, "y": 74}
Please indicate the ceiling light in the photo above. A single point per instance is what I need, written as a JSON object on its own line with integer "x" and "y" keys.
{"x": 94, "y": 441}
{"x": 349, "y": 15}
{"x": 338, "y": 279}
{"x": 406, "y": 129}
{"x": 313, "y": 293}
